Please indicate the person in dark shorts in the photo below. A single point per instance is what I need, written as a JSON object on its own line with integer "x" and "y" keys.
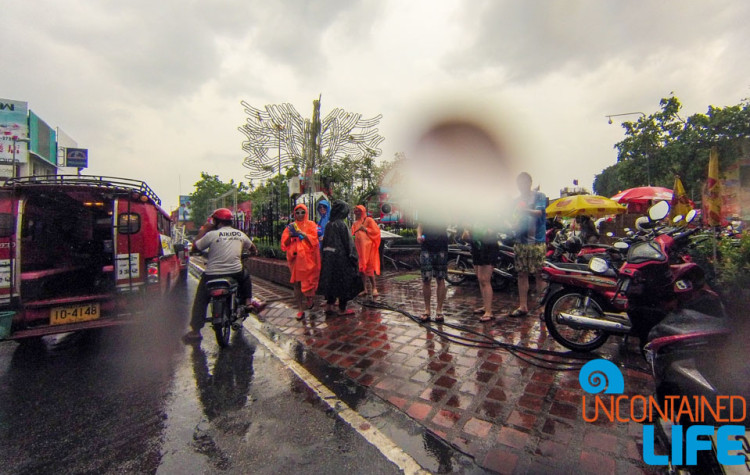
{"x": 433, "y": 260}
{"x": 484, "y": 253}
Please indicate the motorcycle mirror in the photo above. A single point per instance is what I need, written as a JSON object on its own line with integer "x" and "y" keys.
{"x": 627, "y": 230}
{"x": 598, "y": 265}
{"x": 658, "y": 211}
{"x": 691, "y": 215}
{"x": 677, "y": 219}
{"x": 610, "y": 234}
{"x": 620, "y": 245}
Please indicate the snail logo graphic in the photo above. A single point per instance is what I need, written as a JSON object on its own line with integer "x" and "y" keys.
{"x": 605, "y": 381}
{"x": 598, "y": 376}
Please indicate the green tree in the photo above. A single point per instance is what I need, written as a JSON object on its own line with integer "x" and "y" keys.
{"x": 208, "y": 188}
{"x": 661, "y": 145}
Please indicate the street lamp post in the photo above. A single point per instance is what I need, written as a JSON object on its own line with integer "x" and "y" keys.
{"x": 15, "y": 145}
{"x": 648, "y": 158}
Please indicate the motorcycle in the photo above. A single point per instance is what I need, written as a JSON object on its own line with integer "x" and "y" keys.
{"x": 697, "y": 356}
{"x": 584, "y": 306}
{"x": 227, "y": 311}
{"x": 571, "y": 249}
{"x": 226, "y": 308}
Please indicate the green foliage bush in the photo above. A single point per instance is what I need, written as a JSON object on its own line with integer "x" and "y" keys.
{"x": 408, "y": 232}
{"x": 729, "y": 272}
{"x": 267, "y": 248}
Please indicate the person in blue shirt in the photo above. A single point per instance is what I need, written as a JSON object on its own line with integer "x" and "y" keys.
{"x": 529, "y": 213}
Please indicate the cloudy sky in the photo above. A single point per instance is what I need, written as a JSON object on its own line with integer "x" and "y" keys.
{"x": 153, "y": 88}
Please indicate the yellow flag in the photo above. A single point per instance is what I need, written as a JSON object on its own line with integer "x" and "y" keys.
{"x": 680, "y": 201}
{"x": 712, "y": 197}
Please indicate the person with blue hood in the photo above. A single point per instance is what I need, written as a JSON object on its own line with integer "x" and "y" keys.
{"x": 324, "y": 211}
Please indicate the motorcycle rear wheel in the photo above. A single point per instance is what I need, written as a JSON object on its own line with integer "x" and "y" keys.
{"x": 582, "y": 340}
{"x": 222, "y": 325}
{"x": 499, "y": 282}
{"x": 460, "y": 266}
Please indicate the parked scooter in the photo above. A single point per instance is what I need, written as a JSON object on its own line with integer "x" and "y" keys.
{"x": 699, "y": 357}
{"x": 583, "y": 306}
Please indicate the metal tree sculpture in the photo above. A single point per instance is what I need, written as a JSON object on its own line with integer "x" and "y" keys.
{"x": 302, "y": 143}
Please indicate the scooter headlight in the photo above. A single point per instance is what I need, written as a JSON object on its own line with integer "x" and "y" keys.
{"x": 598, "y": 265}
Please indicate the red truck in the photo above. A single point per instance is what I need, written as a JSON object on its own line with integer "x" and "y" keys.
{"x": 80, "y": 252}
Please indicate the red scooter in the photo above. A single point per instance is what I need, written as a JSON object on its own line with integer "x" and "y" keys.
{"x": 584, "y": 306}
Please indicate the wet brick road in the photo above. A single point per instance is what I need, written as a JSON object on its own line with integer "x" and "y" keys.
{"x": 501, "y": 408}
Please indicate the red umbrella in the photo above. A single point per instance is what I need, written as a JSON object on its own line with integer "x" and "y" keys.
{"x": 643, "y": 194}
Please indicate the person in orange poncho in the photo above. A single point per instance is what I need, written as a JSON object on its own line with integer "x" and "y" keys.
{"x": 300, "y": 242}
{"x": 367, "y": 241}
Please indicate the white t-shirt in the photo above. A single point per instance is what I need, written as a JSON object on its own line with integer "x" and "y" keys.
{"x": 225, "y": 247}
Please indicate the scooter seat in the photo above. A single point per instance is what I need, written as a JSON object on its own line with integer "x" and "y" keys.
{"x": 686, "y": 321}
{"x": 222, "y": 282}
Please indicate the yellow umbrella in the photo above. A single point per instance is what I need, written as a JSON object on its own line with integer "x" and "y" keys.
{"x": 590, "y": 205}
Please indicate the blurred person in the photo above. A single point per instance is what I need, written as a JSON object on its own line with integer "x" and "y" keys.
{"x": 225, "y": 246}
{"x": 366, "y": 234}
{"x": 300, "y": 242}
{"x": 484, "y": 253}
{"x": 529, "y": 215}
{"x": 587, "y": 229}
{"x": 339, "y": 272}
{"x": 433, "y": 260}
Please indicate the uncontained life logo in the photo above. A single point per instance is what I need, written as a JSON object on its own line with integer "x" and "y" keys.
{"x": 604, "y": 382}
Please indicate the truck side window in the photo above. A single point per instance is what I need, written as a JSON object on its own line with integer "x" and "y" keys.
{"x": 7, "y": 225}
{"x": 128, "y": 223}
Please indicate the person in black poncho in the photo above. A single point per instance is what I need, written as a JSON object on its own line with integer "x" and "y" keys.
{"x": 339, "y": 275}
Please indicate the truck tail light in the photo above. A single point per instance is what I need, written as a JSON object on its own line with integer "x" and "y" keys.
{"x": 152, "y": 271}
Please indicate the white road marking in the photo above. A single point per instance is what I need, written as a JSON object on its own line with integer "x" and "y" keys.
{"x": 380, "y": 441}
{"x": 383, "y": 443}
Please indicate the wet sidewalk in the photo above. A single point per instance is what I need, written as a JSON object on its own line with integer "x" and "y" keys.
{"x": 502, "y": 408}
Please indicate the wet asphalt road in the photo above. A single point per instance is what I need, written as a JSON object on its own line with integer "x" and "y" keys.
{"x": 136, "y": 399}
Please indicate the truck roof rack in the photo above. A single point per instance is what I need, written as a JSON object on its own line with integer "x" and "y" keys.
{"x": 106, "y": 182}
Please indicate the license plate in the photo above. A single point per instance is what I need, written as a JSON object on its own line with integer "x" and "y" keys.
{"x": 744, "y": 452}
{"x": 74, "y": 313}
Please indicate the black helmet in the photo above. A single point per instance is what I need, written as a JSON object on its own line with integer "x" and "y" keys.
{"x": 573, "y": 244}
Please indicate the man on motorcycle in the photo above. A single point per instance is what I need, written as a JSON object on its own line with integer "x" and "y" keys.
{"x": 225, "y": 246}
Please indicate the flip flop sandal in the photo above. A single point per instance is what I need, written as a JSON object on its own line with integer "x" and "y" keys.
{"x": 519, "y": 313}
{"x": 300, "y": 315}
{"x": 486, "y": 318}
{"x": 425, "y": 317}
{"x": 439, "y": 317}
{"x": 376, "y": 294}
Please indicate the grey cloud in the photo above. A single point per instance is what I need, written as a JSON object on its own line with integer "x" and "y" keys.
{"x": 535, "y": 37}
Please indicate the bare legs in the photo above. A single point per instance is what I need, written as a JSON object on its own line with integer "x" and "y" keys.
{"x": 299, "y": 297}
{"x": 523, "y": 291}
{"x": 484, "y": 274}
{"x": 368, "y": 282}
{"x": 442, "y": 291}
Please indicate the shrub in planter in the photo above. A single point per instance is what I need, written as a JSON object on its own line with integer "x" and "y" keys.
{"x": 269, "y": 249}
{"x": 729, "y": 273}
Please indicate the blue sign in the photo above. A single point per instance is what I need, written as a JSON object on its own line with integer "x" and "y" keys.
{"x": 77, "y": 157}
